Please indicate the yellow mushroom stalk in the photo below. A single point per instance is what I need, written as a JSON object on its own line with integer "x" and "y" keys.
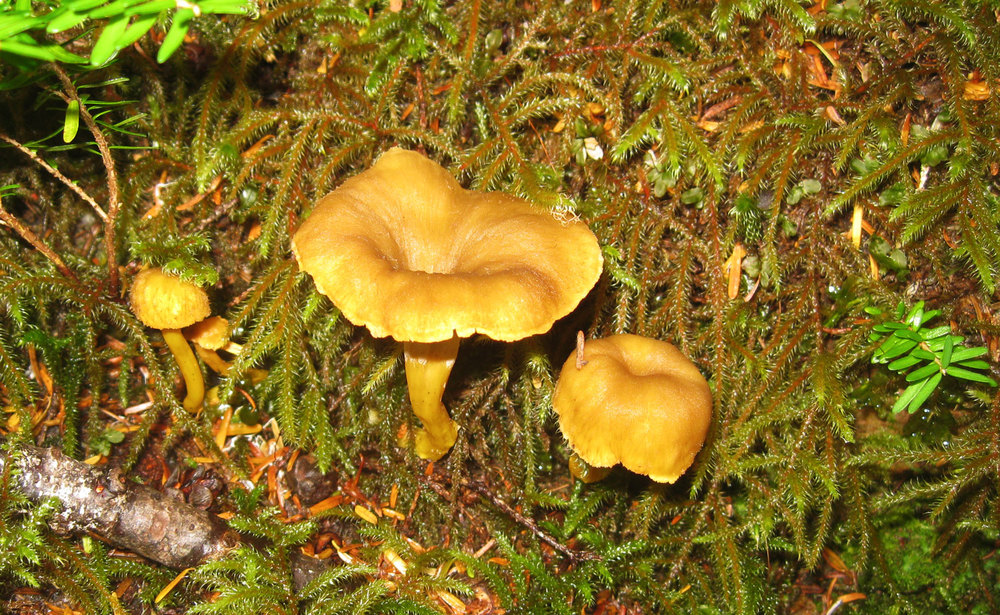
{"x": 194, "y": 383}
{"x": 428, "y": 366}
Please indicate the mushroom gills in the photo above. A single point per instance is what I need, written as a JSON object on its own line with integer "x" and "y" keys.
{"x": 428, "y": 366}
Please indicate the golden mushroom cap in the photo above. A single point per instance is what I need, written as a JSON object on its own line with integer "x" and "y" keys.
{"x": 404, "y": 250}
{"x": 637, "y": 401}
{"x": 164, "y": 301}
{"x": 211, "y": 333}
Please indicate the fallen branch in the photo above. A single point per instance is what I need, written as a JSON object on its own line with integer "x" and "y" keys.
{"x": 126, "y": 514}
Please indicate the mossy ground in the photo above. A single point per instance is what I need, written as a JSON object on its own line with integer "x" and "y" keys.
{"x": 849, "y": 149}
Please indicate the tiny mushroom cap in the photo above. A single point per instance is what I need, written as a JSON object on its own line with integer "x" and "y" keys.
{"x": 208, "y": 336}
{"x": 635, "y": 401}
{"x": 405, "y": 251}
{"x": 211, "y": 333}
{"x": 164, "y": 301}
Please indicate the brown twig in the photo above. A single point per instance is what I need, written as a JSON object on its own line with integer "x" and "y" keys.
{"x": 55, "y": 173}
{"x": 28, "y": 235}
{"x": 509, "y": 510}
{"x": 222, "y": 210}
{"x": 542, "y": 535}
{"x": 114, "y": 203}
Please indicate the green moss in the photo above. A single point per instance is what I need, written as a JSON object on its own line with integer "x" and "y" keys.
{"x": 675, "y": 130}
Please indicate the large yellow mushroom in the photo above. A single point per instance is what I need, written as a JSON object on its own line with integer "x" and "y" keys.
{"x": 164, "y": 301}
{"x": 405, "y": 251}
{"x": 635, "y": 401}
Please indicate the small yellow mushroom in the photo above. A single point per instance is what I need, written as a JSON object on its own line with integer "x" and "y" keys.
{"x": 166, "y": 302}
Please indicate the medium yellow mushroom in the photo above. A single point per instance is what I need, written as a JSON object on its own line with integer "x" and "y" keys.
{"x": 635, "y": 401}
{"x": 405, "y": 251}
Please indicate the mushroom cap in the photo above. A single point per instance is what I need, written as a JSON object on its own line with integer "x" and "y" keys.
{"x": 164, "y": 301}
{"x": 637, "y": 401}
{"x": 404, "y": 250}
{"x": 211, "y": 333}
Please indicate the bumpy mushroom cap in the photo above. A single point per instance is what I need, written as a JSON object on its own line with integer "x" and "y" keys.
{"x": 636, "y": 401}
{"x": 164, "y": 301}
{"x": 404, "y": 250}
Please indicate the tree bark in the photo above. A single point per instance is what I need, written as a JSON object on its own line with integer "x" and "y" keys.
{"x": 127, "y": 515}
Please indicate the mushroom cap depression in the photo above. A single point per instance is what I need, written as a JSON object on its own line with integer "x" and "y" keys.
{"x": 404, "y": 250}
{"x": 164, "y": 301}
{"x": 636, "y": 401}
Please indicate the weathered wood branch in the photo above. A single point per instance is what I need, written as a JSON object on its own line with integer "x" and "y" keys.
{"x": 126, "y": 514}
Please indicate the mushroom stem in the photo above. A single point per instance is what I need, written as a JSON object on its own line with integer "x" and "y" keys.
{"x": 213, "y": 360}
{"x": 428, "y": 366}
{"x": 190, "y": 370}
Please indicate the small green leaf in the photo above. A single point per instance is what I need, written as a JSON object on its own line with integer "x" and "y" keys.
{"x": 923, "y": 372}
{"x": 949, "y": 347}
{"x": 907, "y": 396}
{"x": 892, "y": 348}
{"x": 692, "y": 196}
{"x": 929, "y": 316}
{"x": 889, "y": 326}
{"x": 924, "y": 392}
{"x": 937, "y": 344}
{"x": 916, "y": 315}
{"x": 909, "y": 335}
{"x": 963, "y": 354}
{"x": 136, "y": 31}
{"x": 107, "y": 45}
{"x": 12, "y": 24}
{"x": 973, "y": 364}
{"x": 965, "y": 374}
{"x": 71, "y": 124}
{"x": 46, "y": 53}
{"x": 936, "y": 332}
{"x": 811, "y": 186}
{"x": 904, "y": 363}
{"x": 82, "y": 6}
{"x": 175, "y": 36}
{"x": 112, "y": 10}
{"x": 920, "y": 353}
{"x": 233, "y": 7}
{"x": 65, "y": 20}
